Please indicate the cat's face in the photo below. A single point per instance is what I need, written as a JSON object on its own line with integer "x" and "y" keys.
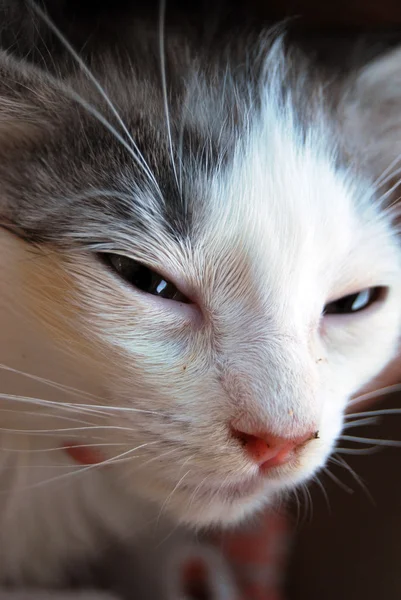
{"x": 259, "y": 233}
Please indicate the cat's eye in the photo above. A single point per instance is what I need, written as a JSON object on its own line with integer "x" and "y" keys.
{"x": 355, "y": 302}
{"x": 143, "y": 278}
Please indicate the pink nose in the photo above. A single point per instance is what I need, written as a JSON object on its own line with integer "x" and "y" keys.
{"x": 268, "y": 450}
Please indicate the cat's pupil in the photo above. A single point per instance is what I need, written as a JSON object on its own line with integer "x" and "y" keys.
{"x": 143, "y": 278}
{"x": 355, "y": 302}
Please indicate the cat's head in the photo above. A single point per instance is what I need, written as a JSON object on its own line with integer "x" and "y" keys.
{"x": 217, "y": 256}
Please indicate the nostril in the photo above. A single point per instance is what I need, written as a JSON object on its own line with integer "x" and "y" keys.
{"x": 268, "y": 450}
{"x": 256, "y": 446}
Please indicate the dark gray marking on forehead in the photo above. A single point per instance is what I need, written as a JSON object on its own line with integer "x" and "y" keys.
{"x": 50, "y": 186}
{"x": 45, "y": 179}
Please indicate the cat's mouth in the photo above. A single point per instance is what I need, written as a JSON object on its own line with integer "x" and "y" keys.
{"x": 241, "y": 488}
{"x": 232, "y": 498}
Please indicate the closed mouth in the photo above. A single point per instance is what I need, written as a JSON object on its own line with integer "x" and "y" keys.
{"x": 231, "y": 490}
{"x": 237, "y": 487}
{"x": 241, "y": 489}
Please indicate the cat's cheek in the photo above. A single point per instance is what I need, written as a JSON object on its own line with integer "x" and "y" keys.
{"x": 368, "y": 344}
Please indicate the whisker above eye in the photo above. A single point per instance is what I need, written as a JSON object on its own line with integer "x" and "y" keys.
{"x": 134, "y": 150}
{"x": 162, "y": 51}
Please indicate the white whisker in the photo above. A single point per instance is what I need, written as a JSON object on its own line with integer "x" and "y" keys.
{"x": 50, "y": 383}
{"x": 63, "y": 406}
{"x": 40, "y": 414}
{"x": 65, "y": 430}
{"x": 306, "y": 505}
{"x": 181, "y": 143}
{"x": 390, "y": 191}
{"x": 162, "y": 51}
{"x": 85, "y": 469}
{"x": 374, "y": 413}
{"x": 148, "y": 462}
{"x": 342, "y": 463}
{"x": 378, "y": 442}
{"x": 58, "y": 448}
{"x": 361, "y": 422}
{"x": 309, "y": 511}
{"x": 380, "y": 180}
{"x": 97, "y": 409}
{"x": 323, "y": 490}
{"x": 338, "y": 481}
{"x": 167, "y": 500}
{"x": 298, "y": 503}
{"x": 371, "y": 450}
{"x": 221, "y": 486}
{"x": 389, "y": 389}
{"x": 198, "y": 487}
{"x": 138, "y": 157}
{"x": 41, "y": 467}
{"x": 95, "y": 113}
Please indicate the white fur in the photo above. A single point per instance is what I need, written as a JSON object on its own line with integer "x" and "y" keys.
{"x": 283, "y": 233}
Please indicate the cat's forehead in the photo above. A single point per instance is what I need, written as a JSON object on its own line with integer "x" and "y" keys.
{"x": 208, "y": 182}
{"x": 283, "y": 216}
{"x": 286, "y": 230}
{"x": 138, "y": 161}
{"x": 277, "y": 217}
{"x": 261, "y": 194}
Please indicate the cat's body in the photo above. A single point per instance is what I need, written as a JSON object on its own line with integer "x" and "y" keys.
{"x": 241, "y": 184}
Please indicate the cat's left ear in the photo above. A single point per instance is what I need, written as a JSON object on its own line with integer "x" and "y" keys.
{"x": 370, "y": 115}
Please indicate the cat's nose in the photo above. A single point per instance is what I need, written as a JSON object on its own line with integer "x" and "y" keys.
{"x": 268, "y": 450}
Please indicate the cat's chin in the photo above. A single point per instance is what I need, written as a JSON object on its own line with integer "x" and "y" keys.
{"x": 229, "y": 504}
{"x": 222, "y": 507}
{"x": 218, "y": 500}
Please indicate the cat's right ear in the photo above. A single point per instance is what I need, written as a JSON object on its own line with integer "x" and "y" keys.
{"x": 370, "y": 115}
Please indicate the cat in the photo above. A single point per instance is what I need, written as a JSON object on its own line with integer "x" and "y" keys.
{"x": 199, "y": 268}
